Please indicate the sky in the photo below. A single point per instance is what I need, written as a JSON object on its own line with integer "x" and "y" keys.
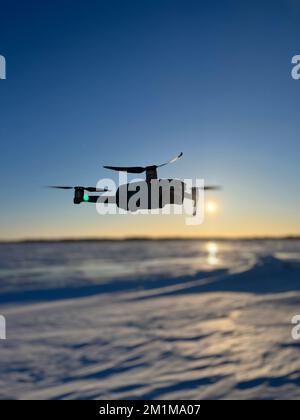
{"x": 127, "y": 82}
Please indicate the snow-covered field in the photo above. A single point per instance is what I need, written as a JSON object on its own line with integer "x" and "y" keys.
{"x": 150, "y": 320}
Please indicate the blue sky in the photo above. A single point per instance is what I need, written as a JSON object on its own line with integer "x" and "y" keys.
{"x": 129, "y": 82}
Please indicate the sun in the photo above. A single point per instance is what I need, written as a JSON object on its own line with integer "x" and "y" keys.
{"x": 211, "y": 207}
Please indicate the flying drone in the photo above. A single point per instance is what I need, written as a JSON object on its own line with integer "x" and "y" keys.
{"x": 124, "y": 197}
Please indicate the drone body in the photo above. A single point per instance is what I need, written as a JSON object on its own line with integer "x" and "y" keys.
{"x": 145, "y": 195}
{"x": 150, "y": 194}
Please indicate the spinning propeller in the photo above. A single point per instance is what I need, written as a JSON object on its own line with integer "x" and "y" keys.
{"x": 89, "y": 189}
{"x": 208, "y": 188}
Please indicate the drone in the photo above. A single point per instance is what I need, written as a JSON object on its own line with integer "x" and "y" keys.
{"x": 147, "y": 194}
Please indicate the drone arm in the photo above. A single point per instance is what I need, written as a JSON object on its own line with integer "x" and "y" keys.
{"x": 99, "y": 199}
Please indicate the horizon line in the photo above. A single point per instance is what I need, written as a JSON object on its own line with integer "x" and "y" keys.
{"x": 150, "y": 238}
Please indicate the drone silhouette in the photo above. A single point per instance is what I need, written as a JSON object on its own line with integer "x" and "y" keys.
{"x": 154, "y": 198}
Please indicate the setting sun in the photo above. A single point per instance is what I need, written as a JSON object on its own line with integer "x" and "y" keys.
{"x": 211, "y": 207}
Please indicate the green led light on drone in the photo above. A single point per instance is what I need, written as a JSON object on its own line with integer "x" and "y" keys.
{"x": 86, "y": 198}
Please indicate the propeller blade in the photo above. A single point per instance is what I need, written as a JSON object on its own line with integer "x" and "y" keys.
{"x": 171, "y": 161}
{"x": 129, "y": 169}
{"x": 140, "y": 169}
{"x": 212, "y": 188}
{"x": 89, "y": 189}
{"x": 60, "y": 188}
{"x": 208, "y": 188}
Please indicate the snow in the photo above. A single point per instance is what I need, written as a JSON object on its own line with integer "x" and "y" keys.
{"x": 150, "y": 320}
